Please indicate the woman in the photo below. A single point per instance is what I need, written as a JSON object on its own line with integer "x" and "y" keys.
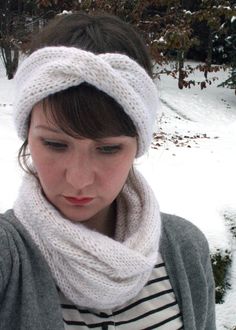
{"x": 85, "y": 245}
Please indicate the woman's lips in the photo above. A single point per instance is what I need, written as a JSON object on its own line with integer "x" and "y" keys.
{"x": 78, "y": 201}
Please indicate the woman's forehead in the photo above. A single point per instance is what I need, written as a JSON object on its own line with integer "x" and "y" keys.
{"x": 42, "y": 115}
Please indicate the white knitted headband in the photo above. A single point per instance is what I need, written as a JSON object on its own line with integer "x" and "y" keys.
{"x": 53, "y": 69}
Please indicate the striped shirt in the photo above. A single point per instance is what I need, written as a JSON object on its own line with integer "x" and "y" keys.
{"x": 154, "y": 307}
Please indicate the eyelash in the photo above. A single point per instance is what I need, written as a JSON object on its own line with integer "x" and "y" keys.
{"x": 109, "y": 150}
{"x": 54, "y": 145}
{"x": 106, "y": 149}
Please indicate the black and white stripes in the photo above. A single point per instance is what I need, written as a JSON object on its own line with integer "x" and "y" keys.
{"x": 155, "y": 307}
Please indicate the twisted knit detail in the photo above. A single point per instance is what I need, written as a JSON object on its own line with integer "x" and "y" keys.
{"x": 53, "y": 69}
{"x": 91, "y": 269}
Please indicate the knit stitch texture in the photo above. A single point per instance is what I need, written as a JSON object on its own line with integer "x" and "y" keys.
{"x": 91, "y": 269}
{"x": 53, "y": 69}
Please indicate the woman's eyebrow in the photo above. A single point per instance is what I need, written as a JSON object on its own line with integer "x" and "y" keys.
{"x": 55, "y": 130}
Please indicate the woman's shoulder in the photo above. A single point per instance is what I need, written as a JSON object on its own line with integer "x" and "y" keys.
{"x": 14, "y": 239}
{"x": 18, "y": 252}
{"x": 183, "y": 243}
{"x": 185, "y": 251}
{"x": 25, "y": 276}
{"x": 8, "y": 248}
{"x": 6, "y": 230}
{"x": 9, "y": 227}
{"x": 182, "y": 232}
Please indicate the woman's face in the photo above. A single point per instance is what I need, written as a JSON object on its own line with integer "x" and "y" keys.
{"x": 80, "y": 177}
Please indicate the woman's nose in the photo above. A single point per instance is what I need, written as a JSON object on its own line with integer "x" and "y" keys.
{"x": 80, "y": 172}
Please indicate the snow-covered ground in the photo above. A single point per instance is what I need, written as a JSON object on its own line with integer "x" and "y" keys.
{"x": 191, "y": 166}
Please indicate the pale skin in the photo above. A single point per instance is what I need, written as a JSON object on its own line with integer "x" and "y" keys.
{"x": 80, "y": 177}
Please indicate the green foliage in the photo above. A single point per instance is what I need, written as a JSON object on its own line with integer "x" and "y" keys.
{"x": 231, "y": 41}
{"x": 221, "y": 265}
{"x": 231, "y": 81}
{"x": 230, "y": 220}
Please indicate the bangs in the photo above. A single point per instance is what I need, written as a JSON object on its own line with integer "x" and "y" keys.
{"x": 86, "y": 112}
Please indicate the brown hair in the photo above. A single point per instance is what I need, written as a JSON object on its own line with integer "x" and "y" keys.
{"x": 98, "y": 33}
{"x": 85, "y": 111}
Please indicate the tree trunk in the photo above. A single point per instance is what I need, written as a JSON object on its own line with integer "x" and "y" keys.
{"x": 180, "y": 59}
{"x": 10, "y": 59}
{"x": 209, "y": 54}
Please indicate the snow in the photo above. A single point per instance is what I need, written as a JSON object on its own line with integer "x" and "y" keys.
{"x": 196, "y": 180}
{"x": 191, "y": 167}
{"x": 65, "y": 12}
{"x": 187, "y": 12}
{"x": 160, "y": 40}
{"x": 222, "y": 7}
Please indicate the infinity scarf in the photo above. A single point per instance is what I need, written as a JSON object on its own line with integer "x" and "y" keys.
{"x": 91, "y": 269}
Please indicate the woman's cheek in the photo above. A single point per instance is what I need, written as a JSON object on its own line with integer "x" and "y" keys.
{"x": 45, "y": 164}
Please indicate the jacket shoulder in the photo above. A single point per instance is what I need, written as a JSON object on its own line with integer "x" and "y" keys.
{"x": 183, "y": 232}
{"x": 185, "y": 251}
{"x": 25, "y": 276}
{"x": 8, "y": 230}
{"x": 15, "y": 242}
{"x": 8, "y": 251}
{"x": 15, "y": 247}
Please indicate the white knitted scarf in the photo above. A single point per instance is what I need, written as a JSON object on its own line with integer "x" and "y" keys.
{"x": 91, "y": 269}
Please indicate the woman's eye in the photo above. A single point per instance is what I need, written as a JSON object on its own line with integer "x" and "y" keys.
{"x": 109, "y": 149}
{"x": 58, "y": 146}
